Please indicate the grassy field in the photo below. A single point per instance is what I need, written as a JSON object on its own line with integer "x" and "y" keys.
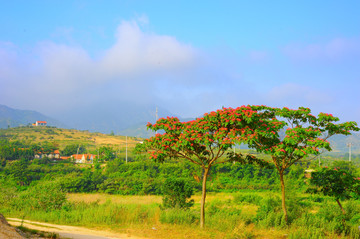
{"x": 229, "y": 216}
{"x": 64, "y": 137}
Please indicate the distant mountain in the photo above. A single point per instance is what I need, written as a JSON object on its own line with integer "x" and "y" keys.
{"x": 340, "y": 143}
{"x": 10, "y": 117}
{"x": 140, "y": 130}
{"x": 124, "y": 119}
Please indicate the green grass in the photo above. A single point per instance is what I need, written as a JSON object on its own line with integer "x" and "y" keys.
{"x": 37, "y": 233}
{"x": 238, "y": 215}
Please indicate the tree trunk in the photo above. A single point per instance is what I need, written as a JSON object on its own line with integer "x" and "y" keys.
{"x": 342, "y": 209}
{"x": 283, "y": 196}
{"x": 203, "y": 197}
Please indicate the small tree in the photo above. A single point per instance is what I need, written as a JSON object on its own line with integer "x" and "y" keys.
{"x": 336, "y": 183}
{"x": 73, "y": 149}
{"x": 45, "y": 196}
{"x": 204, "y": 141}
{"x": 289, "y": 135}
{"x": 176, "y": 192}
{"x": 19, "y": 171}
{"x": 106, "y": 153}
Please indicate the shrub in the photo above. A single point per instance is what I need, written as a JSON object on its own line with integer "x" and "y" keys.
{"x": 45, "y": 196}
{"x": 336, "y": 183}
{"x": 176, "y": 193}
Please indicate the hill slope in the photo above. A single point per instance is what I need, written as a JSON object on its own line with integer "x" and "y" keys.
{"x": 64, "y": 137}
{"x": 10, "y": 117}
{"x": 125, "y": 119}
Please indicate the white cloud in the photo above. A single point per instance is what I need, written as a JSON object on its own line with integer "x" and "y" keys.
{"x": 142, "y": 19}
{"x": 65, "y": 74}
{"x": 137, "y": 52}
{"x": 64, "y": 68}
{"x": 149, "y": 68}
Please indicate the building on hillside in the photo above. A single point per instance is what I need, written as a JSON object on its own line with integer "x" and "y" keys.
{"x": 40, "y": 123}
{"x": 83, "y": 158}
{"x": 53, "y": 155}
{"x": 308, "y": 172}
{"x": 65, "y": 157}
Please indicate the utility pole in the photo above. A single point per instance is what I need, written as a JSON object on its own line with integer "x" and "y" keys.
{"x": 156, "y": 116}
{"x": 234, "y": 153}
{"x": 119, "y": 151}
{"x": 126, "y": 150}
{"x": 349, "y": 145}
{"x": 77, "y": 152}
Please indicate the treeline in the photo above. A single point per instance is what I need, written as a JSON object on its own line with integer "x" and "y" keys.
{"x": 139, "y": 177}
{"x": 144, "y": 177}
{"x": 15, "y": 150}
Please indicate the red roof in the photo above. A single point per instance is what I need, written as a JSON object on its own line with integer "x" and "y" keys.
{"x": 79, "y": 156}
{"x": 42, "y": 122}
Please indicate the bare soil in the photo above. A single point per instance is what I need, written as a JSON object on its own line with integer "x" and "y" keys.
{"x": 7, "y": 231}
{"x": 65, "y": 231}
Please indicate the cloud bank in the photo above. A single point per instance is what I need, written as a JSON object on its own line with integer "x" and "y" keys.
{"x": 145, "y": 68}
{"x": 61, "y": 75}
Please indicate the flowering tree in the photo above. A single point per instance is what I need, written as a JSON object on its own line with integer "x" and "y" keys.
{"x": 336, "y": 183}
{"x": 292, "y": 135}
{"x": 205, "y": 141}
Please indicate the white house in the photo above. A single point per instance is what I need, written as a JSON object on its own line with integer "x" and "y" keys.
{"x": 40, "y": 123}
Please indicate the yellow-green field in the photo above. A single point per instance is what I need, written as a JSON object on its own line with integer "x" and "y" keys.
{"x": 153, "y": 228}
{"x": 227, "y": 216}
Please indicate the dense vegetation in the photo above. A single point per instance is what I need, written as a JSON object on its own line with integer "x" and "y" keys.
{"x": 242, "y": 196}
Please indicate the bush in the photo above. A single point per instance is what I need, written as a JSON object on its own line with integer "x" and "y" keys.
{"x": 8, "y": 192}
{"x": 176, "y": 193}
{"x": 270, "y": 212}
{"x": 45, "y": 196}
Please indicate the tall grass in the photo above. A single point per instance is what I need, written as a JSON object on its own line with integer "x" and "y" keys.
{"x": 95, "y": 214}
{"x": 230, "y": 216}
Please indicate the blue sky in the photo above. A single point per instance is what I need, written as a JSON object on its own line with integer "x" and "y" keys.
{"x": 189, "y": 57}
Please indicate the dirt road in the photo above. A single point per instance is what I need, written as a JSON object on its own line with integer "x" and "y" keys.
{"x": 70, "y": 231}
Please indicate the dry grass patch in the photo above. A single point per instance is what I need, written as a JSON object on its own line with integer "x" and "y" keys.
{"x": 213, "y": 196}
{"x": 64, "y": 137}
{"x": 116, "y": 199}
